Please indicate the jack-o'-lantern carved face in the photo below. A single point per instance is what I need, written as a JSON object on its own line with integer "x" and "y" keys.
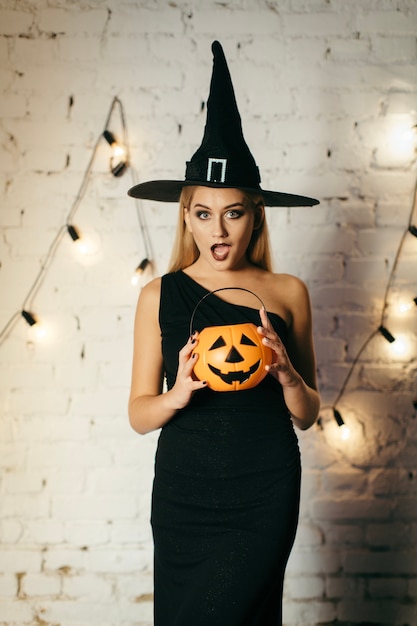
{"x": 231, "y": 358}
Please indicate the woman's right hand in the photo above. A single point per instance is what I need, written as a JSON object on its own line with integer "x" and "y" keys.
{"x": 185, "y": 384}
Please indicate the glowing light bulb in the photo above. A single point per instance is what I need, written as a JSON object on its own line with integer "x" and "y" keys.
{"x": 82, "y": 243}
{"x": 118, "y": 150}
{"x": 83, "y": 246}
{"x": 403, "y": 307}
{"x": 400, "y": 347}
{"x": 344, "y": 432}
{"x": 400, "y": 136}
{"x": 139, "y": 271}
{"x": 38, "y": 332}
{"x": 409, "y": 134}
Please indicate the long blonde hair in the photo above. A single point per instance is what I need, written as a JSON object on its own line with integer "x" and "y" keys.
{"x": 185, "y": 252}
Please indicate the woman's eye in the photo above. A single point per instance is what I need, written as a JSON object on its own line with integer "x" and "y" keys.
{"x": 203, "y": 215}
{"x": 234, "y": 214}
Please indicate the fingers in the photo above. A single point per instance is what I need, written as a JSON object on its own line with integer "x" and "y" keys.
{"x": 270, "y": 337}
{"x": 185, "y": 352}
{"x": 273, "y": 341}
{"x": 187, "y": 360}
{"x": 264, "y": 319}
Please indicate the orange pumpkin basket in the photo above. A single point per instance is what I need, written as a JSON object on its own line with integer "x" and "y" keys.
{"x": 230, "y": 357}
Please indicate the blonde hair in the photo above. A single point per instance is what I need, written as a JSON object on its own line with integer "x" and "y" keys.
{"x": 185, "y": 252}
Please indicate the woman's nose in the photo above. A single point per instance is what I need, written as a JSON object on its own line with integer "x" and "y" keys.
{"x": 219, "y": 228}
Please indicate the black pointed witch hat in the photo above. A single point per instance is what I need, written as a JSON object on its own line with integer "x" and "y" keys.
{"x": 223, "y": 159}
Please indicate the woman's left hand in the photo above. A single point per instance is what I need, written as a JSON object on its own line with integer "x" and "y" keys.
{"x": 281, "y": 367}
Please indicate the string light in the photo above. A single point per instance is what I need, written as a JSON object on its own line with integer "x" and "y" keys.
{"x": 82, "y": 243}
{"x": 119, "y": 169}
{"x": 399, "y": 343}
{"x": 385, "y": 333}
{"x": 344, "y": 430}
{"x": 401, "y": 346}
{"x": 118, "y": 152}
{"x": 38, "y": 331}
{"x": 74, "y": 233}
{"x": 403, "y": 307}
{"x": 29, "y": 317}
{"x": 139, "y": 271}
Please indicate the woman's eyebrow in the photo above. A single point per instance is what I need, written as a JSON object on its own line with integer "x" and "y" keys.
{"x": 229, "y": 206}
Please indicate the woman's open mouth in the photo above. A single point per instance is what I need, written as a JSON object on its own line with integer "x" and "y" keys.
{"x": 220, "y": 251}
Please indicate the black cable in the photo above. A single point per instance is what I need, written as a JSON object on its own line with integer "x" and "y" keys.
{"x": 381, "y": 328}
{"x": 63, "y": 229}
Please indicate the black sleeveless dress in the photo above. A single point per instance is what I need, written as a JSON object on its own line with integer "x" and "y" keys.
{"x": 226, "y": 488}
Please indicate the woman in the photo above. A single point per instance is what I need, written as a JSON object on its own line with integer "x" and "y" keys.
{"x": 227, "y": 471}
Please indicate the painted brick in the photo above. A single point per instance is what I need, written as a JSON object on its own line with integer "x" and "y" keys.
{"x": 87, "y": 586}
{"x": 349, "y": 50}
{"x": 401, "y": 22}
{"x": 4, "y": 49}
{"x": 344, "y": 483}
{"x": 15, "y": 22}
{"x": 8, "y": 585}
{"x": 11, "y": 531}
{"x": 93, "y": 507}
{"x": 51, "y": 429}
{"x": 16, "y": 612}
{"x": 27, "y": 506}
{"x": 363, "y": 508}
{"x": 81, "y": 611}
{"x": 338, "y": 587}
{"x": 123, "y": 532}
{"x": 149, "y": 21}
{"x": 305, "y": 587}
{"x": 63, "y": 21}
{"x": 63, "y": 456}
{"x": 388, "y": 588}
{"x": 115, "y": 561}
{"x": 22, "y": 483}
{"x": 306, "y": 612}
{"x": 394, "y": 49}
{"x": 42, "y": 532}
{"x": 382, "y": 612}
{"x": 224, "y": 21}
{"x": 392, "y": 563}
{"x": 88, "y": 533}
{"x": 315, "y": 24}
{"x": 36, "y": 585}
{"x": 321, "y": 561}
{"x": 15, "y": 561}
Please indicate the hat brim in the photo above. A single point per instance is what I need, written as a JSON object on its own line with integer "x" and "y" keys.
{"x": 170, "y": 191}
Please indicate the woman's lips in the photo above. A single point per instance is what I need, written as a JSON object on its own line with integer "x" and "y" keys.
{"x": 220, "y": 251}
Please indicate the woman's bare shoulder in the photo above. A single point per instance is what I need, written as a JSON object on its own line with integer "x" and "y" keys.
{"x": 149, "y": 298}
{"x": 152, "y": 289}
{"x": 291, "y": 283}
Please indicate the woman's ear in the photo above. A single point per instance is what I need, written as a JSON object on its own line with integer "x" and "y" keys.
{"x": 187, "y": 219}
{"x": 259, "y": 216}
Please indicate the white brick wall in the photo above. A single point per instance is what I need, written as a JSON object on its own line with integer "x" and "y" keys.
{"x": 326, "y": 91}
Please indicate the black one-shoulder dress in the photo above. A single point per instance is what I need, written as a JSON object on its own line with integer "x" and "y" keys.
{"x": 226, "y": 488}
